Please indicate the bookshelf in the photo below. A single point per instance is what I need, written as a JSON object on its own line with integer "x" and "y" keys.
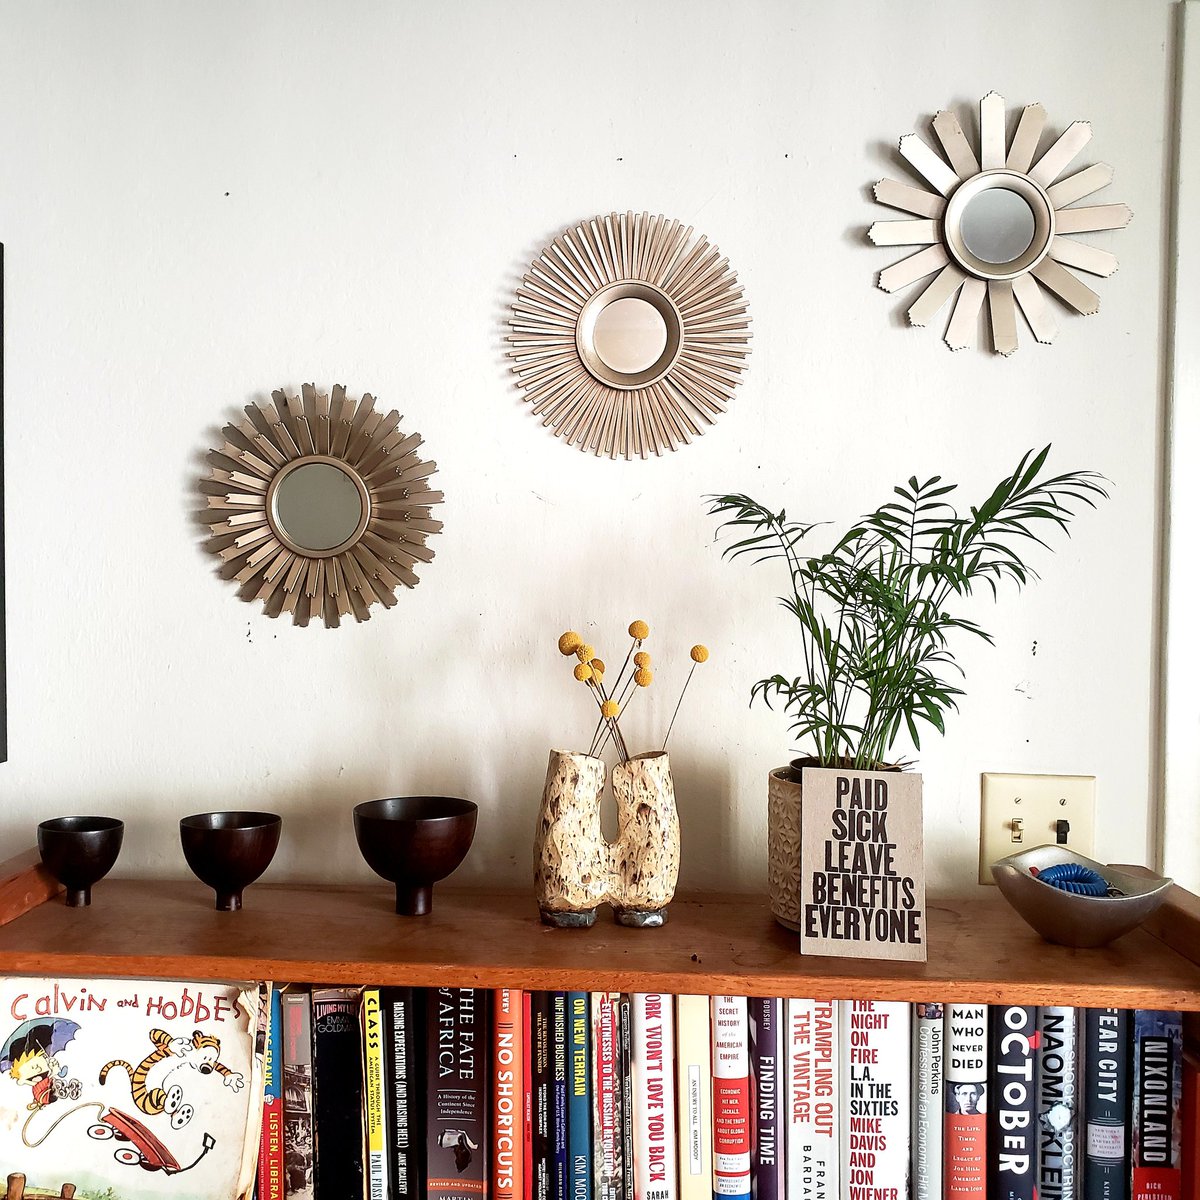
{"x": 980, "y": 951}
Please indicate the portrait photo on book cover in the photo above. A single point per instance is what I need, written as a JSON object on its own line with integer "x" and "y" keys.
{"x": 966, "y": 1098}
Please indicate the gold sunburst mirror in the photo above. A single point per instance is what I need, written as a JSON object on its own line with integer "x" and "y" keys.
{"x": 996, "y": 224}
{"x": 320, "y": 505}
{"x": 629, "y": 335}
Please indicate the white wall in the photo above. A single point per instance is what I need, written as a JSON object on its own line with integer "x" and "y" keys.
{"x": 204, "y": 202}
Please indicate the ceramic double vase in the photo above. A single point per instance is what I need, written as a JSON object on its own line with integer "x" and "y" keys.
{"x": 576, "y": 869}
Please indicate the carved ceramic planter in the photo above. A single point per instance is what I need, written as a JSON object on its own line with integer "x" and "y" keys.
{"x": 784, "y": 798}
{"x": 576, "y": 870}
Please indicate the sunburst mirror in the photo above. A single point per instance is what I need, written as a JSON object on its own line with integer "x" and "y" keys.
{"x": 995, "y": 223}
{"x": 320, "y": 505}
{"x": 629, "y": 335}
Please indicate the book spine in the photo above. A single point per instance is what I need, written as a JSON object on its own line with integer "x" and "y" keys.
{"x": 625, "y": 1065}
{"x": 270, "y": 1154}
{"x": 929, "y": 1102}
{"x": 1106, "y": 1103}
{"x": 876, "y": 1047}
{"x": 579, "y": 1105}
{"x": 694, "y": 1094}
{"x": 508, "y": 1107}
{"x": 540, "y": 1060}
{"x": 653, "y": 1048}
{"x": 965, "y": 1132}
{"x": 1012, "y": 1121}
{"x": 1058, "y": 1103}
{"x": 1157, "y": 1100}
{"x": 337, "y": 1094}
{"x": 767, "y": 1156}
{"x": 606, "y": 1104}
{"x": 404, "y": 1057}
{"x": 732, "y": 1121}
{"x": 1190, "y": 1140}
{"x": 811, "y": 1034}
{"x": 527, "y": 1089}
{"x": 374, "y": 1097}
{"x": 560, "y": 1179}
{"x": 297, "y": 1095}
{"x": 456, "y": 1111}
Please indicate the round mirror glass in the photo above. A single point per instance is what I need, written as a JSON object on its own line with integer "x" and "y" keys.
{"x": 630, "y": 335}
{"x": 318, "y": 506}
{"x": 997, "y": 225}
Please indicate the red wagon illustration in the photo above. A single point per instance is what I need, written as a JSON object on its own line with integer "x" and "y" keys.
{"x": 141, "y": 1148}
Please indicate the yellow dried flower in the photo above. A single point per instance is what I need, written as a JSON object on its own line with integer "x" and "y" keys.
{"x": 609, "y": 708}
{"x": 598, "y": 666}
{"x": 699, "y": 654}
{"x": 584, "y": 652}
{"x": 643, "y": 677}
{"x": 641, "y": 659}
{"x": 568, "y": 642}
{"x": 583, "y": 672}
{"x": 639, "y": 630}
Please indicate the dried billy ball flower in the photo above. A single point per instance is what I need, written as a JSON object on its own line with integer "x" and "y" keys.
{"x": 639, "y": 630}
{"x": 609, "y": 708}
{"x": 568, "y": 642}
{"x": 584, "y": 652}
{"x": 583, "y": 672}
{"x": 641, "y": 659}
{"x": 643, "y": 677}
{"x": 699, "y": 654}
{"x": 598, "y": 666}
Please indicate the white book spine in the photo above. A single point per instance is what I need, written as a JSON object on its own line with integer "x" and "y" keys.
{"x": 812, "y": 1035}
{"x": 693, "y": 1080}
{"x": 732, "y": 1114}
{"x": 1059, "y": 1171}
{"x": 654, "y": 1097}
{"x": 929, "y": 1102}
{"x": 876, "y": 1093}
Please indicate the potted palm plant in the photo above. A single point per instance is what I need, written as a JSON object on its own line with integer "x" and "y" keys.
{"x": 879, "y": 617}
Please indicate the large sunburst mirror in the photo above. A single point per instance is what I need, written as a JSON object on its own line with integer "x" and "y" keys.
{"x": 629, "y": 335}
{"x": 320, "y": 505}
{"x": 995, "y": 223}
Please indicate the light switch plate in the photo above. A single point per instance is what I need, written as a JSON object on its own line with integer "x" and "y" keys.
{"x": 1018, "y": 812}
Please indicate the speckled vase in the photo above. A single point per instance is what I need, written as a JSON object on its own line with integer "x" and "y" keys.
{"x": 572, "y": 865}
{"x": 783, "y": 845}
{"x": 645, "y": 856}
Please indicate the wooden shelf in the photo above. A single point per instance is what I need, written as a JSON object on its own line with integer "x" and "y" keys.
{"x": 980, "y": 950}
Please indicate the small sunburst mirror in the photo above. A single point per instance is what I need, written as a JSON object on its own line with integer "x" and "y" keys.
{"x": 995, "y": 224}
{"x": 320, "y": 505}
{"x": 629, "y": 335}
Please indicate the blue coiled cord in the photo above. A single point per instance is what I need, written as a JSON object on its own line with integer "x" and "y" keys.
{"x": 1072, "y": 877}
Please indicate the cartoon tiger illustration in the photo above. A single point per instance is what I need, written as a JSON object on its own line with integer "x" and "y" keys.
{"x": 201, "y": 1052}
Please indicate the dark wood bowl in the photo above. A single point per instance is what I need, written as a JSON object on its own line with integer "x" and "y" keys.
{"x": 413, "y": 841}
{"x": 229, "y": 850}
{"x": 80, "y": 851}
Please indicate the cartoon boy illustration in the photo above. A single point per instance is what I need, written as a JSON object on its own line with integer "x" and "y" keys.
{"x": 29, "y": 1057}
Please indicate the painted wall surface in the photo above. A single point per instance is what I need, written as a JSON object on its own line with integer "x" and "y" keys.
{"x": 201, "y": 203}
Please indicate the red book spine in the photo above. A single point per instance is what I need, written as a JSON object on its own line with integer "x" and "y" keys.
{"x": 966, "y": 1088}
{"x": 1191, "y": 1127}
{"x": 526, "y": 1096}
{"x": 508, "y": 1095}
{"x": 731, "y": 1097}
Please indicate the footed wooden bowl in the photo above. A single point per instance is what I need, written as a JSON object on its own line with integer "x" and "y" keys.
{"x": 413, "y": 841}
{"x": 229, "y": 850}
{"x": 80, "y": 851}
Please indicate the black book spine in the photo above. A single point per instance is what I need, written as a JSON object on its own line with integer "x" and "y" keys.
{"x": 404, "y": 1062}
{"x": 1012, "y": 1121}
{"x": 337, "y": 1094}
{"x": 625, "y": 1084}
{"x": 1106, "y": 1101}
{"x": 542, "y": 1084}
{"x": 560, "y": 1186}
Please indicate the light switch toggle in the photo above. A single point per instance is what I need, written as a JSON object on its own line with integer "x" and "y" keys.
{"x": 1018, "y": 830}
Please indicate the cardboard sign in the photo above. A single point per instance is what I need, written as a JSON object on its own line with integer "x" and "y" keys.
{"x": 862, "y": 865}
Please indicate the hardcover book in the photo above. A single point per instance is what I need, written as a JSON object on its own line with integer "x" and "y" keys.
{"x": 1058, "y": 1104}
{"x": 135, "y": 1088}
{"x": 929, "y": 1102}
{"x": 374, "y": 1121}
{"x": 814, "y": 1152}
{"x": 457, "y": 1093}
{"x": 270, "y": 1153}
{"x": 625, "y": 1067}
{"x": 541, "y": 1071}
{"x": 337, "y": 1094}
{"x": 559, "y": 1071}
{"x": 966, "y": 1072}
{"x": 653, "y": 1049}
{"x": 508, "y": 1092}
{"x": 579, "y": 1097}
{"x": 767, "y": 1159}
{"x": 732, "y": 1114}
{"x": 404, "y": 1079}
{"x": 1012, "y": 1122}
{"x": 606, "y": 1105}
{"x": 1106, "y": 1099}
{"x": 1157, "y": 1100}
{"x": 527, "y": 1095}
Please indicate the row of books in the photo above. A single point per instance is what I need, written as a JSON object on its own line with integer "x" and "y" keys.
{"x": 458, "y": 1093}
